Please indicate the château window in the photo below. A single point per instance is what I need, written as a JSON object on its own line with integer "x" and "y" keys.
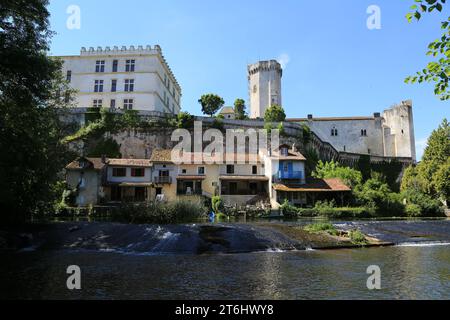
{"x": 128, "y": 104}
{"x": 230, "y": 169}
{"x": 97, "y": 103}
{"x": 129, "y": 85}
{"x": 334, "y": 132}
{"x": 115, "y": 65}
{"x": 112, "y": 104}
{"x": 98, "y": 87}
{"x": 69, "y": 76}
{"x": 113, "y": 85}
{"x": 130, "y": 65}
{"x": 254, "y": 170}
{"x": 364, "y": 133}
{"x": 119, "y": 172}
{"x": 100, "y": 66}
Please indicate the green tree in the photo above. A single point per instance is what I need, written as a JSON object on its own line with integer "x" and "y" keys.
{"x": 211, "y": 103}
{"x": 275, "y": 114}
{"x": 437, "y": 71}
{"x": 31, "y": 102}
{"x": 239, "y": 109}
{"x": 441, "y": 181}
{"x": 327, "y": 170}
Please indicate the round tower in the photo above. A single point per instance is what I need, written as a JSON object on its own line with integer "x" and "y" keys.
{"x": 264, "y": 79}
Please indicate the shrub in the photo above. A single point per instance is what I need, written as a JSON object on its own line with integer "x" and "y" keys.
{"x": 217, "y": 205}
{"x": 157, "y": 212}
{"x": 324, "y": 208}
{"x": 429, "y": 207}
{"x": 413, "y": 210}
{"x": 185, "y": 120}
{"x": 357, "y": 237}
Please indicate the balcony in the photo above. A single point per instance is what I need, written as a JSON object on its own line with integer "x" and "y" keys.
{"x": 162, "y": 180}
{"x": 293, "y": 175}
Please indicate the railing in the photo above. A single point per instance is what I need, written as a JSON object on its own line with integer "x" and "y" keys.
{"x": 162, "y": 180}
{"x": 290, "y": 175}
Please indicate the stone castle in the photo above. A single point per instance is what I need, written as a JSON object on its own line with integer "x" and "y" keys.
{"x": 390, "y": 134}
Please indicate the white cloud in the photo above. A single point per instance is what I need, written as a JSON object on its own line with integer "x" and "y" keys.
{"x": 284, "y": 59}
{"x": 420, "y": 147}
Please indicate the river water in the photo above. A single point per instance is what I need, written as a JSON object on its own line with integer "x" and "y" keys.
{"x": 417, "y": 268}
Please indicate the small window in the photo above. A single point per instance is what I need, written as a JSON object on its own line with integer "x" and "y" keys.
{"x": 363, "y": 132}
{"x": 230, "y": 169}
{"x": 130, "y": 65}
{"x": 254, "y": 170}
{"x": 128, "y": 104}
{"x": 201, "y": 170}
{"x": 129, "y": 85}
{"x": 137, "y": 172}
{"x": 113, "y": 85}
{"x": 100, "y": 66}
{"x": 184, "y": 171}
{"x": 97, "y": 103}
{"x": 98, "y": 86}
{"x": 115, "y": 65}
{"x": 119, "y": 172}
{"x": 69, "y": 76}
{"x": 334, "y": 132}
{"x": 112, "y": 105}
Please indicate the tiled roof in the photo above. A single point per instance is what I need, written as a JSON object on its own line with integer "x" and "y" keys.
{"x": 318, "y": 185}
{"x": 292, "y": 155}
{"x": 227, "y": 110}
{"x": 161, "y": 156}
{"x": 129, "y": 162}
{"x": 89, "y": 163}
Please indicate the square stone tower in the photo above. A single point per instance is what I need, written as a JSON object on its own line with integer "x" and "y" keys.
{"x": 264, "y": 78}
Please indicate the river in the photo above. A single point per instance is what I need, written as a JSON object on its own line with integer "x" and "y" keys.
{"x": 418, "y": 267}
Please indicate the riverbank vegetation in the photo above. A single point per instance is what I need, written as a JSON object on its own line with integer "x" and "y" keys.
{"x": 179, "y": 211}
{"x": 424, "y": 188}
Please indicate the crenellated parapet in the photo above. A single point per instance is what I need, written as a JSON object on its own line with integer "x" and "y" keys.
{"x": 271, "y": 65}
{"x": 127, "y": 51}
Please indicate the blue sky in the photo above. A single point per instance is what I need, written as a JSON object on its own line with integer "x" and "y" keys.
{"x": 335, "y": 65}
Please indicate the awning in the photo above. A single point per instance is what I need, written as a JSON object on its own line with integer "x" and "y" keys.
{"x": 244, "y": 178}
{"x": 319, "y": 185}
{"x": 131, "y": 184}
{"x": 195, "y": 178}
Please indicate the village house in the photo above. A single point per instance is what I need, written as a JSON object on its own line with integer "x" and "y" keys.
{"x": 270, "y": 178}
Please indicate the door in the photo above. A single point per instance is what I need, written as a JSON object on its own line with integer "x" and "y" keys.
{"x": 116, "y": 193}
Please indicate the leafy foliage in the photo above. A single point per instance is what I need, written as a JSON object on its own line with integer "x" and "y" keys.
{"x": 217, "y": 205}
{"x": 185, "y": 120}
{"x": 211, "y": 103}
{"x": 437, "y": 71}
{"x": 349, "y": 176}
{"x": 30, "y": 101}
{"x": 275, "y": 113}
{"x": 322, "y": 227}
{"x": 239, "y": 109}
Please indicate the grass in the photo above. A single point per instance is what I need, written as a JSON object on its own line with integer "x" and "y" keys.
{"x": 322, "y": 227}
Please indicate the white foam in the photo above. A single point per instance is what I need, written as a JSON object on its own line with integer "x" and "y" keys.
{"x": 423, "y": 244}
